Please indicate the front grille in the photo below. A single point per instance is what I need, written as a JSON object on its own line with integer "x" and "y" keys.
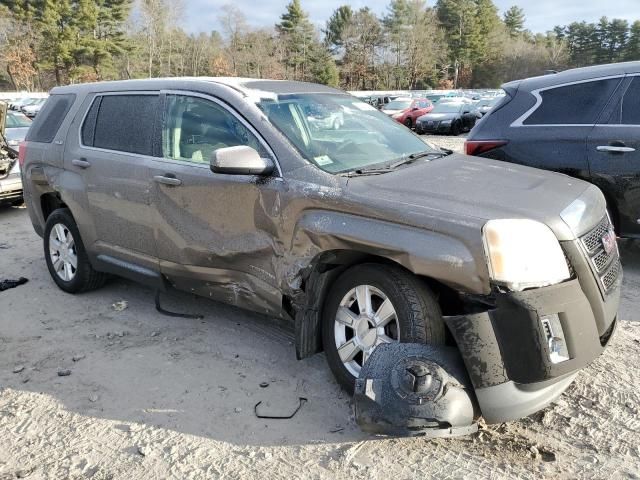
{"x": 606, "y": 266}
{"x": 609, "y": 278}
{"x": 592, "y": 241}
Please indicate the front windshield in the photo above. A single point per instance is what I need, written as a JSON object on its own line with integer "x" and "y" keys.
{"x": 398, "y": 105}
{"x": 447, "y": 108}
{"x": 339, "y": 133}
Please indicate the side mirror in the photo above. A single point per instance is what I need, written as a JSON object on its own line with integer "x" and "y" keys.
{"x": 240, "y": 160}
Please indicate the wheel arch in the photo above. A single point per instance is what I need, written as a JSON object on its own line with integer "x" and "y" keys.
{"x": 320, "y": 275}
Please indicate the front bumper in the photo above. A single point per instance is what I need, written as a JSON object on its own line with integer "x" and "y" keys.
{"x": 506, "y": 350}
{"x": 433, "y": 127}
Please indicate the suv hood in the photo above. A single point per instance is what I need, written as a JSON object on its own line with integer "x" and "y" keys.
{"x": 463, "y": 187}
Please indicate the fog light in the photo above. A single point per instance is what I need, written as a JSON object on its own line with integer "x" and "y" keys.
{"x": 552, "y": 328}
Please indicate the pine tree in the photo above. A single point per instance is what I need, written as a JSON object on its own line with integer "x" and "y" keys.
{"x": 632, "y": 49}
{"x": 59, "y": 35}
{"x": 299, "y": 36}
{"x": 514, "y": 19}
{"x": 336, "y": 26}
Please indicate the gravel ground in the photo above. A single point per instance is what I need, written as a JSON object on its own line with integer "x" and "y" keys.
{"x": 148, "y": 396}
{"x": 447, "y": 141}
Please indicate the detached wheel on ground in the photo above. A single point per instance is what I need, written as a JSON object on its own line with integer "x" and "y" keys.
{"x": 66, "y": 256}
{"x": 372, "y": 304}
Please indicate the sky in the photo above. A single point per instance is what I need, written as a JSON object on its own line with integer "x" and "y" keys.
{"x": 542, "y": 15}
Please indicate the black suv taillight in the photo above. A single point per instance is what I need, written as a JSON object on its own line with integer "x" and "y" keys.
{"x": 478, "y": 147}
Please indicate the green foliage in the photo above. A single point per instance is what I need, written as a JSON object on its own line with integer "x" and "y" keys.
{"x": 77, "y": 37}
{"x": 414, "y": 44}
{"x": 336, "y": 25}
{"x": 603, "y": 42}
{"x": 514, "y": 19}
{"x": 300, "y": 39}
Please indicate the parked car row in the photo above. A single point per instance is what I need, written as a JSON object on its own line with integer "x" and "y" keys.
{"x": 29, "y": 106}
{"x": 361, "y": 234}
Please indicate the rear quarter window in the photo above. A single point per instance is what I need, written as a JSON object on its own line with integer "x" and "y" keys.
{"x": 46, "y": 125}
{"x": 576, "y": 104}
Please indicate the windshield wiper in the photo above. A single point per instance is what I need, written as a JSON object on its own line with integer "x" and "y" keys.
{"x": 391, "y": 167}
{"x": 415, "y": 156}
{"x": 366, "y": 171}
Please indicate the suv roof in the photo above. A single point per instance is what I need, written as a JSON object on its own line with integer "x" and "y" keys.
{"x": 575, "y": 75}
{"x": 246, "y": 86}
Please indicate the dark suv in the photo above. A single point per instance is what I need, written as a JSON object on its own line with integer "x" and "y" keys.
{"x": 362, "y": 234}
{"x": 583, "y": 122}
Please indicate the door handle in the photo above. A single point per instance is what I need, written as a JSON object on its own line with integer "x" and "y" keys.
{"x": 80, "y": 162}
{"x": 615, "y": 149}
{"x": 167, "y": 180}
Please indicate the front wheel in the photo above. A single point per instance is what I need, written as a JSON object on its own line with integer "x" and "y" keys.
{"x": 408, "y": 123}
{"x": 455, "y": 129}
{"x": 372, "y": 304}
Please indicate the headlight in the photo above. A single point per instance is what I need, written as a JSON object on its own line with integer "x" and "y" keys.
{"x": 446, "y": 122}
{"x": 523, "y": 254}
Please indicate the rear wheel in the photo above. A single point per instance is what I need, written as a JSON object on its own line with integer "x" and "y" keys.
{"x": 66, "y": 256}
{"x": 372, "y": 304}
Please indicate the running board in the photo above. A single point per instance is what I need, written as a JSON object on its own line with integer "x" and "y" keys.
{"x": 132, "y": 271}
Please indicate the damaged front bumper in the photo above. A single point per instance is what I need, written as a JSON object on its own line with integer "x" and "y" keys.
{"x": 516, "y": 363}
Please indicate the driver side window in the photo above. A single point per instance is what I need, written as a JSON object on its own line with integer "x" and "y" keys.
{"x": 193, "y": 128}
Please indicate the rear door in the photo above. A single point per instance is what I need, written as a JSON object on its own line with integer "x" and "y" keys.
{"x": 216, "y": 233}
{"x": 614, "y": 155}
{"x": 112, "y": 154}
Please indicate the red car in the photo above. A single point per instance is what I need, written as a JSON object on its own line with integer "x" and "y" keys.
{"x": 407, "y": 110}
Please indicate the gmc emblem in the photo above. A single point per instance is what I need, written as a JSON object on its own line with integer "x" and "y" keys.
{"x": 609, "y": 241}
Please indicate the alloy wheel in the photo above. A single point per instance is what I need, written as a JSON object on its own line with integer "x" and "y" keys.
{"x": 365, "y": 319}
{"x": 62, "y": 251}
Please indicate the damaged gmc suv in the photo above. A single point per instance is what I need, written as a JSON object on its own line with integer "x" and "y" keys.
{"x": 362, "y": 234}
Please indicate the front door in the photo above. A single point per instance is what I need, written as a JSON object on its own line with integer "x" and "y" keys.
{"x": 219, "y": 230}
{"x": 614, "y": 156}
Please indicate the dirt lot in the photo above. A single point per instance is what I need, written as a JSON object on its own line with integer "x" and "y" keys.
{"x": 148, "y": 396}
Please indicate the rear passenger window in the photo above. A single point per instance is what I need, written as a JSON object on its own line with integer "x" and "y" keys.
{"x": 577, "y": 104}
{"x": 627, "y": 111}
{"x": 125, "y": 123}
{"x": 45, "y": 127}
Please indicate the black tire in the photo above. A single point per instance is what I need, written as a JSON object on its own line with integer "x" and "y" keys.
{"x": 18, "y": 203}
{"x": 408, "y": 123}
{"x": 418, "y": 313}
{"x": 455, "y": 129}
{"x": 85, "y": 277}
